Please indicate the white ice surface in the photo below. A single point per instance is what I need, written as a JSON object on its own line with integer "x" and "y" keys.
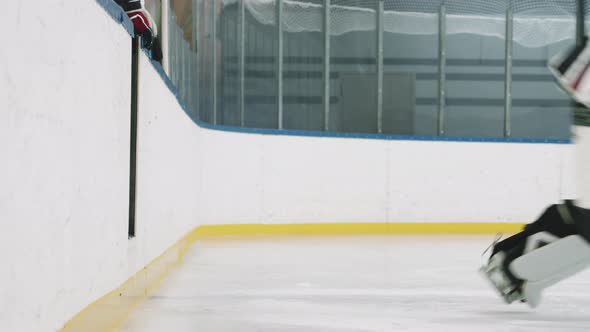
{"x": 368, "y": 283}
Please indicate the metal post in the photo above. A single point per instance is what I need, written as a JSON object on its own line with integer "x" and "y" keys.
{"x": 183, "y": 64}
{"x": 326, "y": 65}
{"x": 195, "y": 27}
{"x": 508, "y": 74}
{"x": 214, "y": 58}
{"x": 164, "y": 39}
{"x": 196, "y": 73}
{"x": 279, "y": 21}
{"x": 195, "y": 58}
{"x": 380, "y": 66}
{"x": 194, "y": 87}
{"x": 580, "y": 23}
{"x": 442, "y": 31}
{"x": 175, "y": 67}
{"x": 171, "y": 47}
{"x": 242, "y": 58}
{"x": 175, "y": 52}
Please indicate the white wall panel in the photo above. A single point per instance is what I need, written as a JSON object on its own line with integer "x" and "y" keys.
{"x": 231, "y": 178}
{"x": 474, "y": 182}
{"x": 309, "y": 179}
{"x": 64, "y": 147}
{"x": 292, "y": 179}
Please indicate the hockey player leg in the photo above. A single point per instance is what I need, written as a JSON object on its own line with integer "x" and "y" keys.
{"x": 556, "y": 223}
{"x": 548, "y": 260}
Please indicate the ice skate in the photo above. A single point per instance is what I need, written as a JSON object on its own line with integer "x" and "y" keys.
{"x": 495, "y": 274}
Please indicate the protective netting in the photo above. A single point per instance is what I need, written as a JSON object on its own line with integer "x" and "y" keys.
{"x": 537, "y": 23}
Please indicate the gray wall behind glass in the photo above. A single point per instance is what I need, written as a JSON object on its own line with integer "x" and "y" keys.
{"x": 474, "y": 79}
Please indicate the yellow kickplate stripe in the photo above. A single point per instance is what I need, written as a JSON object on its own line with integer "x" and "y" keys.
{"x": 359, "y": 229}
{"x": 110, "y": 311}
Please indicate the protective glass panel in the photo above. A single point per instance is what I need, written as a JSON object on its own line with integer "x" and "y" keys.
{"x": 474, "y": 46}
{"x": 260, "y": 40}
{"x": 205, "y": 58}
{"x": 154, "y": 7}
{"x": 539, "y": 108}
{"x": 229, "y": 108}
{"x": 303, "y": 47}
{"x": 182, "y": 57}
{"x": 474, "y": 69}
{"x": 353, "y": 59}
{"x": 410, "y": 78}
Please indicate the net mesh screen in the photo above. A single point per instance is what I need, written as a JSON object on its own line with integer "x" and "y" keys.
{"x": 537, "y": 23}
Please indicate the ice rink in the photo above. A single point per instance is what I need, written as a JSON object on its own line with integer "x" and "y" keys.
{"x": 360, "y": 283}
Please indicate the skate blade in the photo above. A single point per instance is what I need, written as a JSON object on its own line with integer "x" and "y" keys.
{"x": 508, "y": 295}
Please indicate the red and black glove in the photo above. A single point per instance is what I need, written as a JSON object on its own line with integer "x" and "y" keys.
{"x": 143, "y": 24}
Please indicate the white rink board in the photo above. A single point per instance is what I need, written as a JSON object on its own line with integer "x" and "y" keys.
{"x": 64, "y": 170}
{"x": 291, "y": 179}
